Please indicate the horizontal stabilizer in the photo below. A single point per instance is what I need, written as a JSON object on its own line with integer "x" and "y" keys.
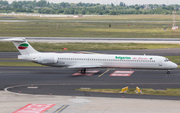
{"x": 85, "y": 66}
{"x": 15, "y": 39}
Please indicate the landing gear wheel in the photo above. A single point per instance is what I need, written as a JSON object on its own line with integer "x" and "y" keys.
{"x": 168, "y": 72}
{"x": 83, "y": 71}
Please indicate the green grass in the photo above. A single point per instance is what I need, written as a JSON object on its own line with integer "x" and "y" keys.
{"x": 175, "y": 59}
{"x": 20, "y": 64}
{"x": 89, "y": 29}
{"x": 9, "y": 46}
{"x": 101, "y": 90}
{"x": 167, "y": 92}
{"x": 9, "y": 59}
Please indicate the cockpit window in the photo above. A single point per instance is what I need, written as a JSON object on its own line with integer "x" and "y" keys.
{"x": 166, "y": 60}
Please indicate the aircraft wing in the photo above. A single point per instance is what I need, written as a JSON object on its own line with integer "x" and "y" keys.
{"x": 84, "y": 66}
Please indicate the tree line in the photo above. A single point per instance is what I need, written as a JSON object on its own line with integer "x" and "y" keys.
{"x": 45, "y": 7}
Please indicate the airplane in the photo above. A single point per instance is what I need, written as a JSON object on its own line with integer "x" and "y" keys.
{"x": 87, "y": 61}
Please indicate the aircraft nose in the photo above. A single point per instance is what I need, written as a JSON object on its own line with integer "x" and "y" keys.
{"x": 174, "y": 65}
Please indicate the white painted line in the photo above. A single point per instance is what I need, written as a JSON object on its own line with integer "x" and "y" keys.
{"x": 32, "y": 87}
{"x": 124, "y": 72}
{"x": 91, "y": 71}
{"x": 79, "y": 100}
{"x": 85, "y": 88}
{"x": 119, "y": 74}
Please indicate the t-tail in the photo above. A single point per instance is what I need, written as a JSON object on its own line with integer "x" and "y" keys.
{"x": 22, "y": 45}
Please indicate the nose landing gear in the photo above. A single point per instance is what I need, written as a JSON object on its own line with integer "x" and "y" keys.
{"x": 168, "y": 72}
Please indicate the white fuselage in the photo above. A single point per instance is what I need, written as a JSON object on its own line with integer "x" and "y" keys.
{"x": 83, "y": 61}
{"x": 100, "y": 60}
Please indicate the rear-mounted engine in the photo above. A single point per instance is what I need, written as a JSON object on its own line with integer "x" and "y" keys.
{"x": 46, "y": 60}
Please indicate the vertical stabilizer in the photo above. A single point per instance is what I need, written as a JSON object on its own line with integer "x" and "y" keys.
{"x": 22, "y": 45}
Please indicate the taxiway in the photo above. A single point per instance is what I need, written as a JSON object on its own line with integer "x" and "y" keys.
{"x": 20, "y": 86}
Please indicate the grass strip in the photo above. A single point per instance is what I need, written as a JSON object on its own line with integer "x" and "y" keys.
{"x": 167, "y": 92}
{"x": 175, "y": 59}
{"x": 9, "y": 46}
{"x": 89, "y": 29}
{"x": 9, "y": 59}
{"x": 20, "y": 64}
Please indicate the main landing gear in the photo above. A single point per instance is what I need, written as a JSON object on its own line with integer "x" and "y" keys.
{"x": 83, "y": 71}
{"x": 168, "y": 72}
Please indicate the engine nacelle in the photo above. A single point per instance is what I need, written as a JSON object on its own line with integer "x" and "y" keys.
{"x": 46, "y": 60}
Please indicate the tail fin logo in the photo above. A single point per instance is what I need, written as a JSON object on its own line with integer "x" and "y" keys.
{"x": 23, "y": 46}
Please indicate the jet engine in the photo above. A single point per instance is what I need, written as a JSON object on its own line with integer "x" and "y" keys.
{"x": 46, "y": 60}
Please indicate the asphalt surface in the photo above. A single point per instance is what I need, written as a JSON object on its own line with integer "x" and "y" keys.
{"x": 57, "y": 81}
{"x": 50, "y": 80}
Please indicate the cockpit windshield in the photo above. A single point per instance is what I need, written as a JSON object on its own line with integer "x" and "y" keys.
{"x": 166, "y": 60}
